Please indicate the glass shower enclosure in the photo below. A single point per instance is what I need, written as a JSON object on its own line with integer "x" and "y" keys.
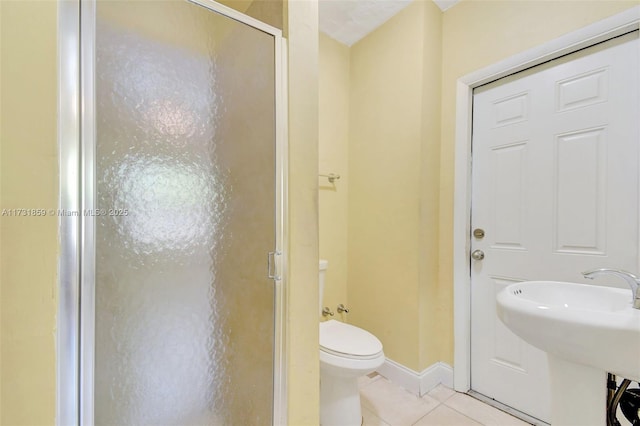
{"x": 179, "y": 239}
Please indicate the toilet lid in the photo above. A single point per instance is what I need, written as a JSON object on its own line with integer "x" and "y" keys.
{"x": 341, "y": 338}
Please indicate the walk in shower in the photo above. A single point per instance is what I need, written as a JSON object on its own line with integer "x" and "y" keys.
{"x": 170, "y": 294}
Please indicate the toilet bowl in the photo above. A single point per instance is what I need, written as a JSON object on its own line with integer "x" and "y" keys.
{"x": 346, "y": 353}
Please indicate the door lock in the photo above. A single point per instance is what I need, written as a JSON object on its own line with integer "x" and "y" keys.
{"x": 478, "y": 233}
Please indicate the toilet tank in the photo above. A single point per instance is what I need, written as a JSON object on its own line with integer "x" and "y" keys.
{"x": 323, "y": 270}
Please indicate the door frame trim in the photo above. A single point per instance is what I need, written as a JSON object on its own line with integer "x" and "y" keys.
{"x": 616, "y": 25}
{"x": 74, "y": 362}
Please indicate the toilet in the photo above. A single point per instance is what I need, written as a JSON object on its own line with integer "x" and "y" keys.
{"x": 346, "y": 353}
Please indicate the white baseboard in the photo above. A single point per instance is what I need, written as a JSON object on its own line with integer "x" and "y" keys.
{"x": 417, "y": 383}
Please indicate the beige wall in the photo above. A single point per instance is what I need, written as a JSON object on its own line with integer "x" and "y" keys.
{"x": 430, "y": 344}
{"x": 29, "y": 177}
{"x": 384, "y": 173}
{"x": 334, "y": 151}
{"x": 476, "y": 34}
{"x": 393, "y": 185}
{"x": 302, "y": 317}
{"x": 267, "y": 11}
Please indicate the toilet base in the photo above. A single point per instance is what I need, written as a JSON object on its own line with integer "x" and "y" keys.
{"x": 339, "y": 401}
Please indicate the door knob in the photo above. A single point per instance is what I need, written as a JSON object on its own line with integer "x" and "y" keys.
{"x": 477, "y": 255}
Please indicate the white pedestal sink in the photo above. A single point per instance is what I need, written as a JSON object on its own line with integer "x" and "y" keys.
{"x": 586, "y": 330}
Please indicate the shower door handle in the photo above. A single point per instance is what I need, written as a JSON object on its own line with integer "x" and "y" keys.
{"x": 272, "y": 266}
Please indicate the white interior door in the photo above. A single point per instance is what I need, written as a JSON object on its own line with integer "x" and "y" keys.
{"x": 555, "y": 188}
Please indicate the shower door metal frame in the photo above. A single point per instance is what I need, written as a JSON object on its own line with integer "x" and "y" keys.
{"x": 76, "y": 267}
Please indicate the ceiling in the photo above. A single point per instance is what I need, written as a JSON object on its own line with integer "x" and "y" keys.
{"x": 350, "y": 20}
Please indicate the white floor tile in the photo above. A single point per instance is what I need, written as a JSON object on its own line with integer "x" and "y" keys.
{"x": 445, "y": 416}
{"x": 395, "y": 405}
{"x": 481, "y": 412}
{"x": 441, "y": 393}
{"x": 370, "y": 419}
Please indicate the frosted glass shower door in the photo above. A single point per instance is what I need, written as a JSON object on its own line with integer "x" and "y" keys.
{"x": 185, "y": 216}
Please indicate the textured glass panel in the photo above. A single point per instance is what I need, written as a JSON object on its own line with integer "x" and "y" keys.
{"x": 185, "y": 112}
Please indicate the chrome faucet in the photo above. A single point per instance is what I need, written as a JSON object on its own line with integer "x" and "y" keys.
{"x": 632, "y": 280}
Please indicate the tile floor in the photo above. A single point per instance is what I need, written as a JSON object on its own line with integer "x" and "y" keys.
{"x": 386, "y": 404}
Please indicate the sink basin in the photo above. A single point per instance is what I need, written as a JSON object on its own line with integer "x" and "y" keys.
{"x": 585, "y": 324}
